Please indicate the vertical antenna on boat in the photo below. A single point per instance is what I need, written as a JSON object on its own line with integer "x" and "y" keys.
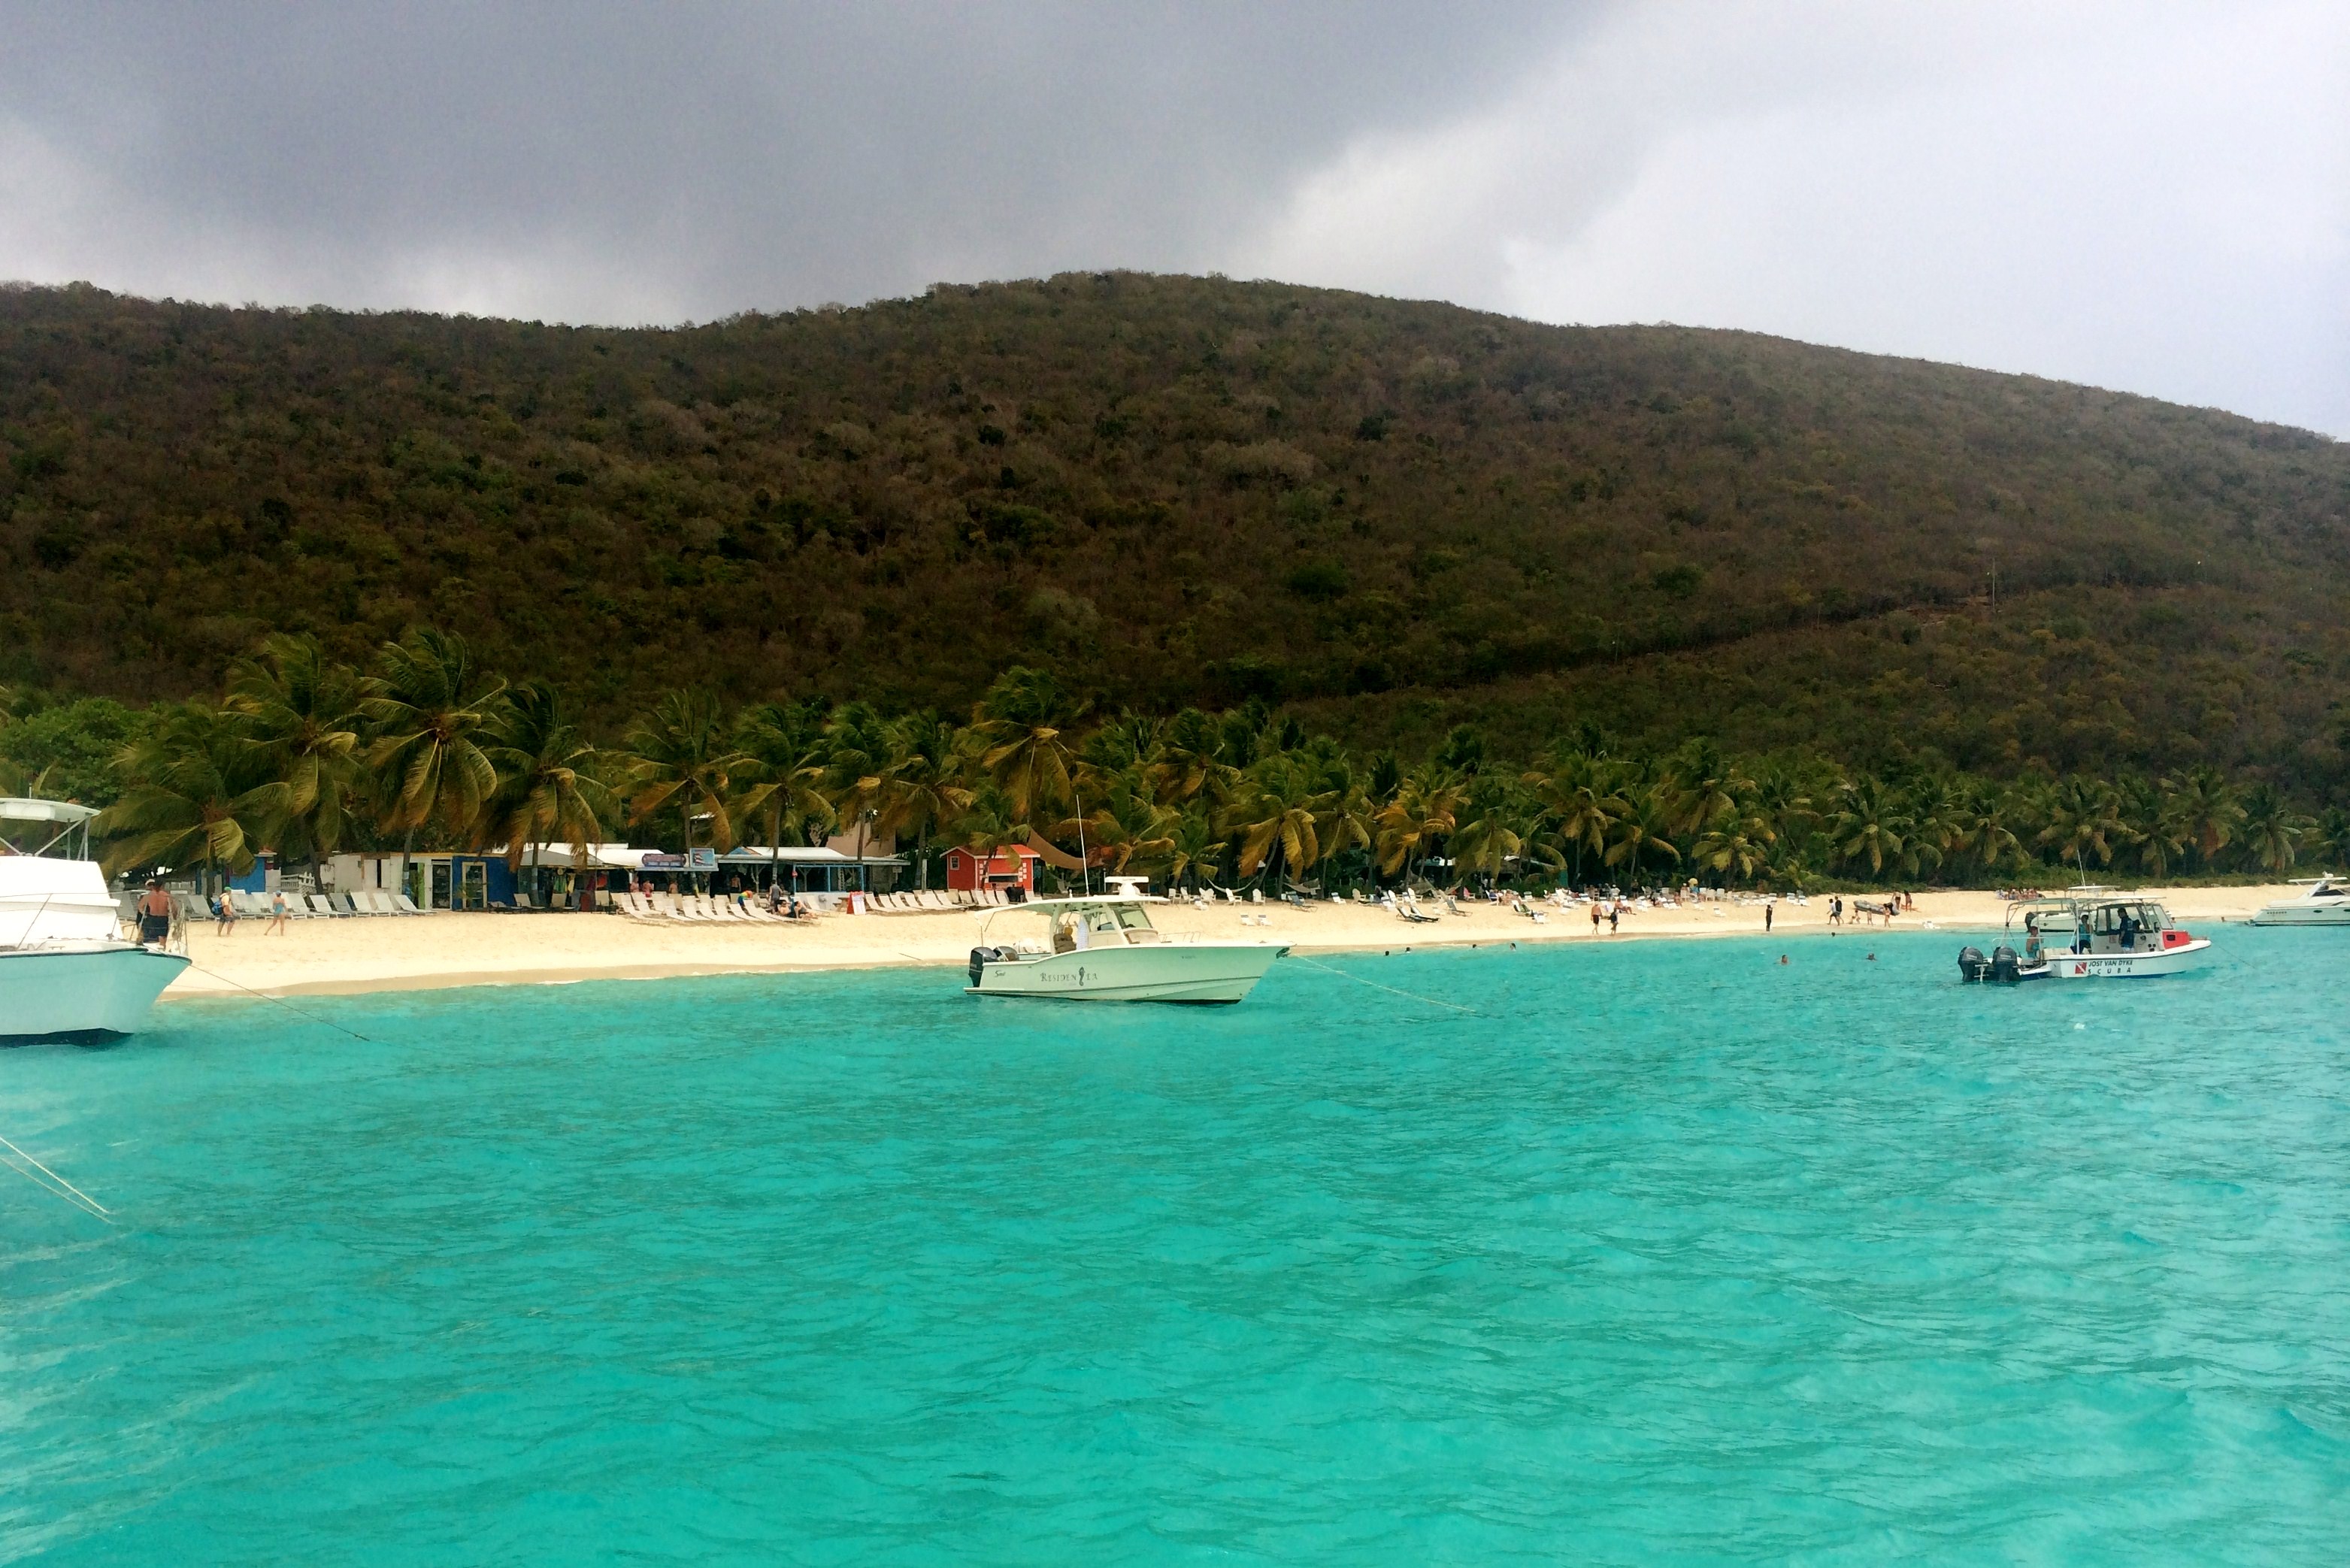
{"x": 1084, "y": 869}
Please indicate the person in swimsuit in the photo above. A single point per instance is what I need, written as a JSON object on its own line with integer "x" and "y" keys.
{"x": 277, "y": 914}
{"x": 154, "y": 913}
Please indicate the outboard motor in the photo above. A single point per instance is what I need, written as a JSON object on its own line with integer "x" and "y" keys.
{"x": 2005, "y": 967}
{"x": 979, "y": 959}
{"x": 1972, "y": 965}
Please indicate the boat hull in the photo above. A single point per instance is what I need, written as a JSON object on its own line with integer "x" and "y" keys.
{"x": 97, "y": 991}
{"x": 2129, "y": 966}
{"x": 1172, "y": 972}
{"x": 2329, "y": 914}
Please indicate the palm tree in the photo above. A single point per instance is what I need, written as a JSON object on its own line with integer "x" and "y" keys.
{"x": 1983, "y": 830}
{"x": 1276, "y": 811}
{"x": 1493, "y": 828}
{"x": 1705, "y": 787}
{"x": 1193, "y": 845}
{"x": 989, "y": 825}
{"x": 1191, "y": 761}
{"x": 681, "y": 755}
{"x": 1868, "y": 826}
{"x": 1023, "y": 723}
{"x": 430, "y": 709}
{"x": 1422, "y": 814}
{"x": 780, "y": 755}
{"x": 2085, "y": 823}
{"x": 1578, "y": 792}
{"x": 547, "y": 787}
{"x": 2329, "y": 839}
{"x": 924, "y": 786}
{"x": 1349, "y": 818}
{"x": 858, "y": 752}
{"x": 1125, "y": 826}
{"x": 2272, "y": 832}
{"x": 1737, "y": 846}
{"x": 198, "y": 792}
{"x": 1643, "y": 827}
{"x": 2153, "y": 826}
{"x": 2208, "y": 811}
{"x": 301, "y": 711}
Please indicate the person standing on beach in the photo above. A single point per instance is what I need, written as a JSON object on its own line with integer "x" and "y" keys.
{"x": 1594, "y": 917}
{"x": 154, "y": 913}
{"x": 223, "y": 915}
{"x": 1769, "y": 909}
{"x": 277, "y": 914}
{"x": 1615, "y": 911}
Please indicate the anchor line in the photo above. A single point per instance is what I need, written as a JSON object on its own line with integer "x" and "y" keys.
{"x": 64, "y": 1188}
{"x": 281, "y": 1002}
{"x": 1374, "y": 986}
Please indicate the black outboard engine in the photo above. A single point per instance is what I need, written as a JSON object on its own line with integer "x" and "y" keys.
{"x": 1972, "y": 965}
{"x": 2005, "y": 968}
{"x": 979, "y": 959}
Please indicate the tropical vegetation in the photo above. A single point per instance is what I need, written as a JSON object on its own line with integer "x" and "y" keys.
{"x": 424, "y": 748}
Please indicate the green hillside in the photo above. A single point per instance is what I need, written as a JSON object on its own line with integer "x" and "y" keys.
{"x": 1391, "y": 517}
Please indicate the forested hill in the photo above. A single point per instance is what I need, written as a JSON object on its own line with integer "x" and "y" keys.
{"x": 1393, "y": 516}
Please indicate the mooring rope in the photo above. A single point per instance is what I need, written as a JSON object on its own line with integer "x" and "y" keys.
{"x": 64, "y": 1188}
{"x": 281, "y": 1002}
{"x": 1374, "y": 986}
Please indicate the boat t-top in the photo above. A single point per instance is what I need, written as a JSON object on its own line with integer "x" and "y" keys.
{"x": 66, "y": 968}
{"x": 2323, "y": 901}
{"x": 2089, "y": 933}
{"x": 1102, "y": 946}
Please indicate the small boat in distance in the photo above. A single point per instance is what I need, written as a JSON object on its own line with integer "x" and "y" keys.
{"x": 2090, "y": 933}
{"x": 65, "y": 970}
{"x": 1104, "y": 948}
{"x": 2326, "y": 903}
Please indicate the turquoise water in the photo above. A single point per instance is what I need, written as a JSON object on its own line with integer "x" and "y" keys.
{"x": 1668, "y": 1253}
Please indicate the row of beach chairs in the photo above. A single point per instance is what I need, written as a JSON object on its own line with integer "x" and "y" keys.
{"x": 705, "y": 908}
{"x": 305, "y": 906}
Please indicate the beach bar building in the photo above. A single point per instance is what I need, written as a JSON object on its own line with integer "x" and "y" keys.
{"x": 1013, "y": 865}
{"x": 813, "y": 869}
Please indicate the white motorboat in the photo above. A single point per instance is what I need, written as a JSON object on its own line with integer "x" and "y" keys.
{"x": 2093, "y": 933}
{"x": 66, "y": 968}
{"x": 2326, "y": 902}
{"x": 1104, "y": 948}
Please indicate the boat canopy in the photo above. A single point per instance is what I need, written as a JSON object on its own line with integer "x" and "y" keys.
{"x": 26, "y": 808}
{"x": 52, "y": 822}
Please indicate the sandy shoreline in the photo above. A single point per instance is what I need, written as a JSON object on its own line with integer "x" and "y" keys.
{"x": 322, "y": 956}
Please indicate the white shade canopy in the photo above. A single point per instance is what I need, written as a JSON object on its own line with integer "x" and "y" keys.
{"x": 25, "y": 808}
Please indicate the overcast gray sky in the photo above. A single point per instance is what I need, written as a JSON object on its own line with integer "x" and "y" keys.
{"x": 2144, "y": 195}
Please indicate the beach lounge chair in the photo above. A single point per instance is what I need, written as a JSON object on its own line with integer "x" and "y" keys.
{"x": 322, "y": 905}
{"x": 404, "y": 904}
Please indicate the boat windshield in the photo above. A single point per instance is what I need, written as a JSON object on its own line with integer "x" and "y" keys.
{"x": 1076, "y": 925}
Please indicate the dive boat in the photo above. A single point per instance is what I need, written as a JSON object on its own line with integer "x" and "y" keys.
{"x": 2093, "y": 933}
{"x": 2326, "y": 903}
{"x": 66, "y": 969}
{"x": 1103, "y": 948}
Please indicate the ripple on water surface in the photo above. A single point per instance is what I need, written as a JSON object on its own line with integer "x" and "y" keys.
{"x": 1667, "y": 1253}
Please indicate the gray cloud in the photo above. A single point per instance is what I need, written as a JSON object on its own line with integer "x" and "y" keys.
{"x": 2149, "y": 196}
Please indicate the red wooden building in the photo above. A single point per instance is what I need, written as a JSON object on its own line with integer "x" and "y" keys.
{"x": 1013, "y": 865}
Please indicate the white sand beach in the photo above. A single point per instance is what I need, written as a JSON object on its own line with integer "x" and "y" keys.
{"x": 324, "y": 956}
